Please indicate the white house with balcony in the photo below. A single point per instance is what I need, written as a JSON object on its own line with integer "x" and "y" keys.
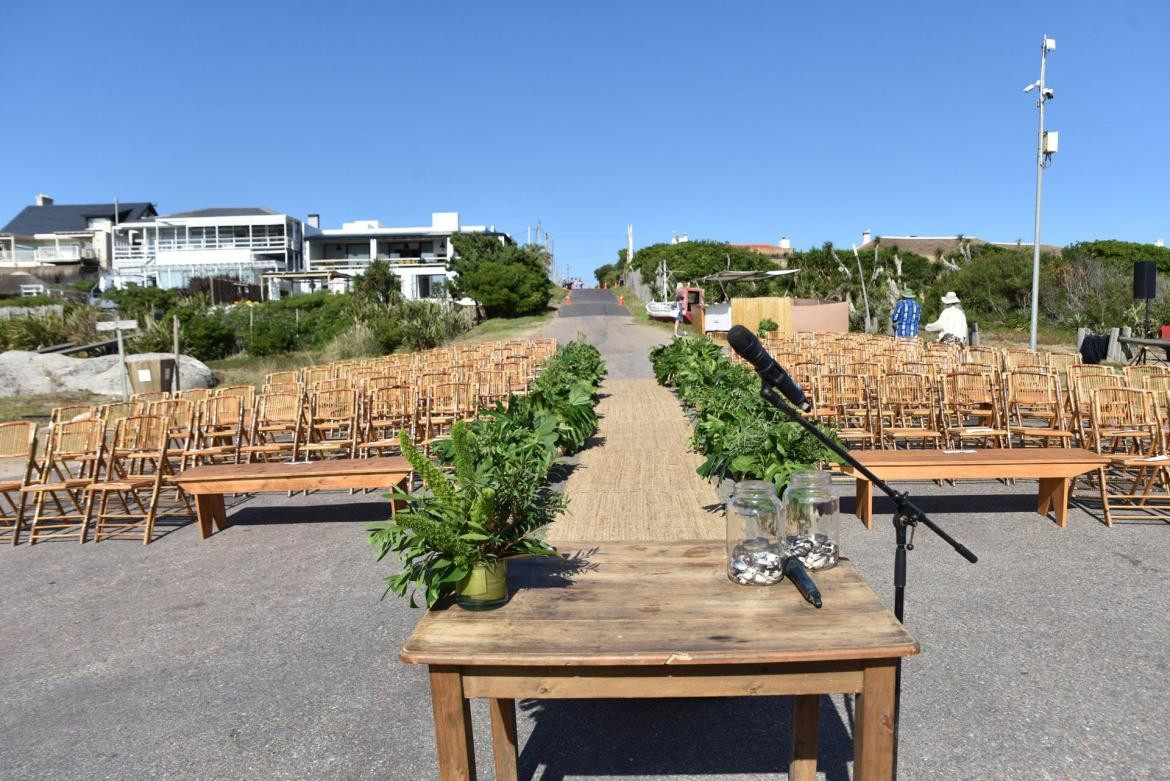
{"x": 65, "y": 239}
{"x": 419, "y": 256}
{"x": 241, "y": 243}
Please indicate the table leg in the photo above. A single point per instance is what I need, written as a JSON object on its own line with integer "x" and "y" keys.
{"x": 864, "y": 509}
{"x": 1054, "y": 494}
{"x": 873, "y": 725}
{"x": 504, "y": 739}
{"x": 806, "y": 712}
{"x": 454, "y": 741}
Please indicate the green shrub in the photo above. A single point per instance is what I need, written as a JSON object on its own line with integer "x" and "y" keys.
{"x": 427, "y": 324}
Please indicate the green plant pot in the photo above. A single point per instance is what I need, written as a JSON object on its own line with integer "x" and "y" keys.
{"x": 484, "y": 588}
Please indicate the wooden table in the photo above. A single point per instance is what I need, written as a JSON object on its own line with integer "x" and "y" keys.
{"x": 660, "y": 619}
{"x": 1054, "y": 467}
{"x": 208, "y": 484}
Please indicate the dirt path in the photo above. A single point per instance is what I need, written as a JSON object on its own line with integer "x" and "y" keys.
{"x": 638, "y": 481}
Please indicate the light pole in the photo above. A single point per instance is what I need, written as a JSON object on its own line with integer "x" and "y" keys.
{"x": 1046, "y": 144}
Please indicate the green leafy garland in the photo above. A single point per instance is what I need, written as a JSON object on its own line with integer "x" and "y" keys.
{"x": 741, "y": 436}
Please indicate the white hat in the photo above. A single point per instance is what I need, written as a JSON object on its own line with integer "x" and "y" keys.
{"x": 950, "y": 298}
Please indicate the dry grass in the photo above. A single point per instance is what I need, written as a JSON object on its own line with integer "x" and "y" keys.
{"x": 37, "y": 407}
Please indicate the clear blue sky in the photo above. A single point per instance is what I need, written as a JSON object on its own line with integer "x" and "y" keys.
{"x": 733, "y": 121}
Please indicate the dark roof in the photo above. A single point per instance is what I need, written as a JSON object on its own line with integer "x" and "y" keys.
{"x": 72, "y": 216}
{"x": 228, "y": 211}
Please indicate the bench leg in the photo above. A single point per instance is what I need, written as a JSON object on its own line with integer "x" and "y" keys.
{"x": 864, "y": 509}
{"x": 1054, "y": 495}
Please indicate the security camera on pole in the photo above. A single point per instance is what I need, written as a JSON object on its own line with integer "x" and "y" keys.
{"x": 1046, "y": 145}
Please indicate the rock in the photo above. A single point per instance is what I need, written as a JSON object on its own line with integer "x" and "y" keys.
{"x": 26, "y": 373}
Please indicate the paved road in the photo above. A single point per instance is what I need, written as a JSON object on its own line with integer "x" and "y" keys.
{"x": 264, "y": 653}
{"x": 592, "y": 303}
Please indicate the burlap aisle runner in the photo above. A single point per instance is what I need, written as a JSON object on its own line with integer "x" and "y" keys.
{"x": 639, "y": 482}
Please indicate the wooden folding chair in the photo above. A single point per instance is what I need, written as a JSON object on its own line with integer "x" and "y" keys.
{"x": 276, "y": 429}
{"x": 973, "y": 410}
{"x": 392, "y": 410}
{"x": 18, "y": 440}
{"x": 907, "y": 412}
{"x": 125, "y": 495}
{"x": 1035, "y": 409}
{"x": 276, "y": 378}
{"x": 58, "y": 488}
{"x": 332, "y": 426}
{"x": 1124, "y": 425}
{"x": 218, "y": 434}
{"x": 843, "y": 401}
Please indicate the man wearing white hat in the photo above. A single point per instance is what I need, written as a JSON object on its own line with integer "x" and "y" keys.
{"x": 952, "y": 322}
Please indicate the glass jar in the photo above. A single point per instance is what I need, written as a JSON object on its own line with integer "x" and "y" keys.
{"x": 813, "y": 519}
{"x": 755, "y": 549}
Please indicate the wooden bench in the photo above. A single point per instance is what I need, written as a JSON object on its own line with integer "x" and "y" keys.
{"x": 208, "y": 484}
{"x": 1053, "y": 467}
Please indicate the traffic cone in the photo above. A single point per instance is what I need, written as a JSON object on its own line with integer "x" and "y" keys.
{"x": 568, "y": 300}
{"x": 621, "y": 300}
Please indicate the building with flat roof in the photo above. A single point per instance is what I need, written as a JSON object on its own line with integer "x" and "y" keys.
{"x": 65, "y": 239}
{"x": 419, "y": 256}
{"x": 241, "y": 243}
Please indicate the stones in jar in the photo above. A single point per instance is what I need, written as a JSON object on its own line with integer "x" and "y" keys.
{"x": 815, "y": 551}
{"x": 756, "y": 562}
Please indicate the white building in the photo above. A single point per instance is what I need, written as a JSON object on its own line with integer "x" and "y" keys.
{"x": 237, "y": 243}
{"x": 419, "y": 256}
{"x": 61, "y": 240}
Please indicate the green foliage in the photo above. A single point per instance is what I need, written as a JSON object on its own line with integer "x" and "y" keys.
{"x": 31, "y": 301}
{"x": 766, "y": 326}
{"x": 378, "y": 284}
{"x": 562, "y": 398}
{"x": 499, "y": 494}
{"x": 422, "y": 325}
{"x": 741, "y": 436}
{"x": 506, "y": 280}
{"x": 497, "y": 499}
{"x": 689, "y": 260}
{"x": 139, "y": 303}
{"x": 610, "y": 274}
{"x": 34, "y": 331}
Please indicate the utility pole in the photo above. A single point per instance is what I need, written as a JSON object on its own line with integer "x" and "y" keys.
{"x": 1046, "y": 146}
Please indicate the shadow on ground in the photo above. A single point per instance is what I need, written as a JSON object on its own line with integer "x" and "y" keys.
{"x": 667, "y": 737}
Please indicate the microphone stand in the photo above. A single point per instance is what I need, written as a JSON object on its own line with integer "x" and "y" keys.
{"x": 906, "y": 516}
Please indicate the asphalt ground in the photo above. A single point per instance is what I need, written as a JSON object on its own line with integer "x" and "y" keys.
{"x": 592, "y": 303}
{"x": 265, "y": 653}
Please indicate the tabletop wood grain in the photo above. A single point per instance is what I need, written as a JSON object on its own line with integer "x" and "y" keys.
{"x": 657, "y": 603}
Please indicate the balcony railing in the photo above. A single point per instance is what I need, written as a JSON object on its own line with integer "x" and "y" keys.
{"x": 342, "y": 263}
{"x": 149, "y": 249}
{"x": 41, "y": 255}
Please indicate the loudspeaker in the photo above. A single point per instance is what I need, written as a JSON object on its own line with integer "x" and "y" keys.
{"x": 1145, "y": 279}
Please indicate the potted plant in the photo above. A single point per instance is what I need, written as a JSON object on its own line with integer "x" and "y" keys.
{"x": 457, "y": 534}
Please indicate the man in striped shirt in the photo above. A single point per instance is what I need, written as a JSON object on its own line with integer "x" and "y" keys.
{"x": 906, "y": 316}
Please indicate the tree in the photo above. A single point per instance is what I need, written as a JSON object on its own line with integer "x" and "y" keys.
{"x": 379, "y": 284}
{"x": 505, "y": 279}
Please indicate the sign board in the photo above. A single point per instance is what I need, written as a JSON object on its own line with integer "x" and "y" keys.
{"x": 117, "y": 325}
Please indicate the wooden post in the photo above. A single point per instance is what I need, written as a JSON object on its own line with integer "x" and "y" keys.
{"x": 122, "y": 362}
{"x": 176, "y": 385}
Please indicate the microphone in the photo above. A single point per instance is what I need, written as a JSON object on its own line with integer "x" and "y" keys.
{"x": 749, "y": 348}
{"x": 795, "y": 571}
